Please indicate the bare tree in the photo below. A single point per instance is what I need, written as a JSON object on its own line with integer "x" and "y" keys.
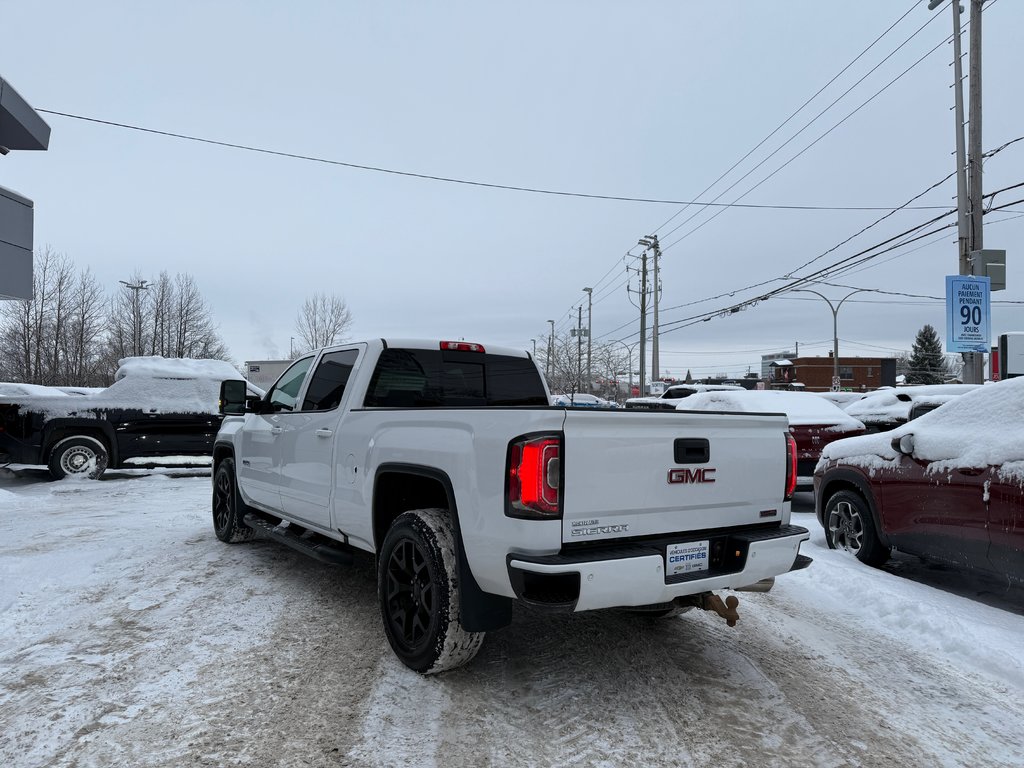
{"x": 322, "y": 321}
{"x": 55, "y": 337}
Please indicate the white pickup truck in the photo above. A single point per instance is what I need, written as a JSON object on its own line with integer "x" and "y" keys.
{"x": 445, "y": 460}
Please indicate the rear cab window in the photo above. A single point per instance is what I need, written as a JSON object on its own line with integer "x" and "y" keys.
{"x": 433, "y": 378}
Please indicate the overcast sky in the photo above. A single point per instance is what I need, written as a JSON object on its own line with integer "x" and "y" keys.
{"x": 651, "y": 100}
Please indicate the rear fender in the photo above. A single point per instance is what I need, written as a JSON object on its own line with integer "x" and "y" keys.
{"x": 479, "y": 611}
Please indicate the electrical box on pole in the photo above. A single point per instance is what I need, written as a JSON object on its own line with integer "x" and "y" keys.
{"x": 991, "y": 264}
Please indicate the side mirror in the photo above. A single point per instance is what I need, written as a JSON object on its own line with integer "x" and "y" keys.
{"x": 232, "y": 397}
{"x": 903, "y": 444}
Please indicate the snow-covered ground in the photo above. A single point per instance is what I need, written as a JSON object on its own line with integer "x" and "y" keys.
{"x": 129, "y": 636}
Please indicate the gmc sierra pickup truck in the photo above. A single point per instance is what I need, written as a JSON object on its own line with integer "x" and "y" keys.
{"x": 445, "y": 461}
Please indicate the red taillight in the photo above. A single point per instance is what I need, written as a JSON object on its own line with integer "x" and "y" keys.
{"x": 790, "y": 467}
{"x": 534, "y": 476}
{"x": 461, "y": 346}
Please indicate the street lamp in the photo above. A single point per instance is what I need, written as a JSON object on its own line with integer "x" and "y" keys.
{"x": 590, "y": 307}
{"x": 835, "y": 328}
{"x": 550, "y": 367}
{"x": 142, "y": 285}
{"x": 629, "y": 350}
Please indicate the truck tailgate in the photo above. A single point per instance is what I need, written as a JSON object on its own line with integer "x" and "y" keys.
{"x": 643, "y": 473}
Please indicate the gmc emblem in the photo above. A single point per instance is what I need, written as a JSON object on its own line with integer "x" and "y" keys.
{"x": 702, "y": 475}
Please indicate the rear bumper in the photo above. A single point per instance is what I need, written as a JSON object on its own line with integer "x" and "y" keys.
{"x": 634, "y": 574}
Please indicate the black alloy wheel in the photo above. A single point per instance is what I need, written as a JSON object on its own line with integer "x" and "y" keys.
{"x": 418, "y": 592}
{"x": 228, "y": 507}
{"x": 410, "y": 595}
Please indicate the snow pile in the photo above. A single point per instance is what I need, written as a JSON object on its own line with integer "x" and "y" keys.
{"x": 982, "y": 428}
{"x": 801, "y": 409}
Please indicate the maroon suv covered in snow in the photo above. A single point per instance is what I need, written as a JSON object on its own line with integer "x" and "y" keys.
{"x": 948, "y": 485}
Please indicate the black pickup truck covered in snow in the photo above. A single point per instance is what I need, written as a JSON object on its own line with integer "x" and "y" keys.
{"x": 158, "y": 412}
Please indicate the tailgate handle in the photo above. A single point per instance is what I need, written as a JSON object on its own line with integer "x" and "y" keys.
{"x": 691, "y": 450}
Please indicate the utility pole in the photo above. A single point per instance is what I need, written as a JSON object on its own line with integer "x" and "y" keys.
{"x": 651, "y": 241}
{"x": 550, "y": 367}
{"x": 972, "y": 361}
{"x": 590, "y": 325}
{"x": 534, "y": 348}
{"x": 136, "y": 314}
{"x": 643, "y": 324}
{"x": 579, "y": 349}
{"x": 975, "y": 361}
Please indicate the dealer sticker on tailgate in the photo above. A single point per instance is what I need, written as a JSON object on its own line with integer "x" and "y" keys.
{"x": 686, "y": 558}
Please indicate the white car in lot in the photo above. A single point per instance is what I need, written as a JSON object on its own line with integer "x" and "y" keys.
{"x": 581, "y": 400}
{"x": 669, "y": 399}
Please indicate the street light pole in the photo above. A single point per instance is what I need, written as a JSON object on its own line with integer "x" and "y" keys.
{"x": 835, "y": 328}
{"x": 629, "y": 351}
{"x": 590, "y": 307}
{"x": 551, "y": 351}
{"x": 136, "y": 314}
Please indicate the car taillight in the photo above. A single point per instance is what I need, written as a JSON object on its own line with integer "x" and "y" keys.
{"x": 461, "y": 346}
{"x": 534, "y": 477}
{"x": 790, "y": 467}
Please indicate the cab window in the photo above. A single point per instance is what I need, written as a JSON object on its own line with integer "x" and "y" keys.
{"x": 285, "y": 393}
{"x": 329, "y": 379}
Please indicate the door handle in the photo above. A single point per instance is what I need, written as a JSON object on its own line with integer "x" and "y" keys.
{"x": 276, "y": 430}
{"x": 970, "y": 472}
{"x": 324, "y": 432}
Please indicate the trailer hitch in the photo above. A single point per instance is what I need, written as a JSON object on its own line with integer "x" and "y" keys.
{"x": 709, "y": 601}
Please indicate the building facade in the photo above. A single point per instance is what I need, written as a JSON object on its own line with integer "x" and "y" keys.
{"x": 815, "y": 373}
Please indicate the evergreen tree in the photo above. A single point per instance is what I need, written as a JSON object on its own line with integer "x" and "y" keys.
{"x": 927, "y": 364}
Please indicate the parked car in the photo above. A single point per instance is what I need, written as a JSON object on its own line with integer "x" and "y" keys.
{"x": 669, "y": 399}
{"x": 582, "y": 400}
{"x": 813, "y": 421}
{"x": 159, "y": 411}
{"x": 949, "y": 485}
{"x": 886, "y": 409}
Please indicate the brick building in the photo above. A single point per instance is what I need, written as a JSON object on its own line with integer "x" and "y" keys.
{"x": 815, "y": 373}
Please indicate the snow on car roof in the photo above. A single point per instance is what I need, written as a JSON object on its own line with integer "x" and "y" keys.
{"x": 895, "y": 404}
{"x": 15, "y": 390}
{"x": 981, "y": 428}
{"x": 800, "y": 407}
{"x": 156, "y": 366}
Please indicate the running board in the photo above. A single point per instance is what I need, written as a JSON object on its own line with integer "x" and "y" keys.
{"x": 307, "y": 543}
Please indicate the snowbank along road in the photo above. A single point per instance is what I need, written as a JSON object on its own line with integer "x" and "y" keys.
{"x": 130, "y": 636}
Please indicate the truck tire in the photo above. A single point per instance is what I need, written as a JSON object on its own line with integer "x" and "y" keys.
{"x": 850, "y": 526}
{"x": 418, "y": 591}
{"x": 228, "y": 507}
{"x": 78, "y": 456}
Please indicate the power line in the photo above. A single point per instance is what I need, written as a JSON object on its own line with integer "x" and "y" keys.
{"x": 812, "y": 144}
{"x": 453, "y": 180}
{"x": 785, "y": 122}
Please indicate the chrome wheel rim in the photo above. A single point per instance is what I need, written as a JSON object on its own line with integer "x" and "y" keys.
{"x": 846, "y": 526}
